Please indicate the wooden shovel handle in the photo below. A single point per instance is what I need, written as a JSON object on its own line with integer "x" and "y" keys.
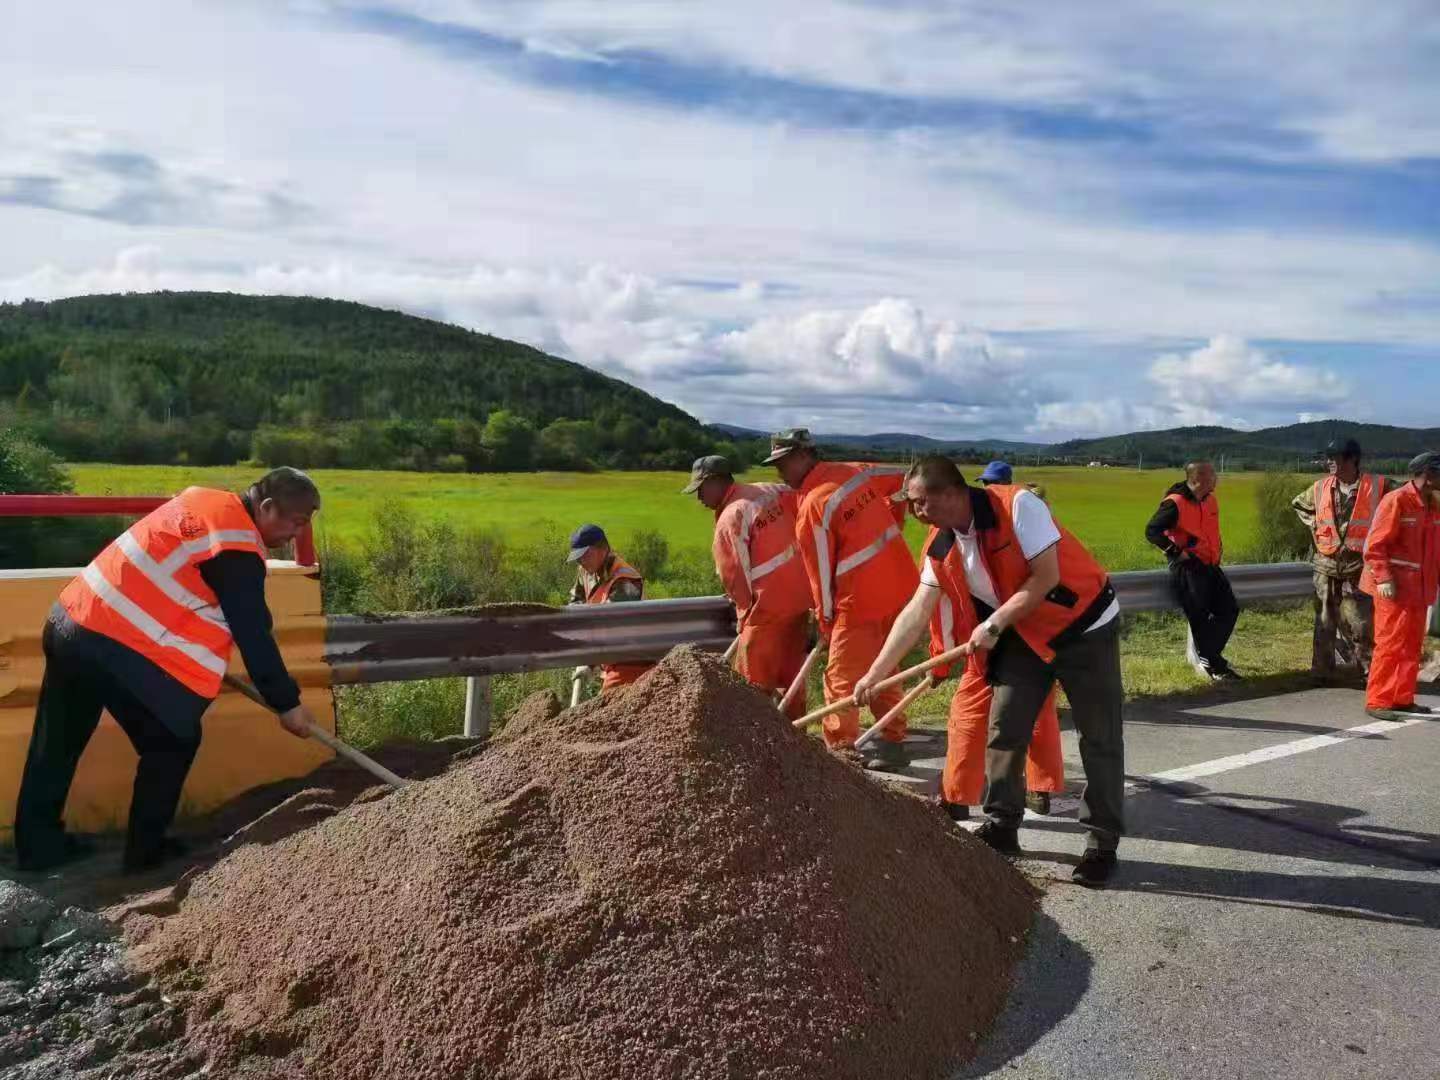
{"x": 345, "y": 750}
{"x": 885, "y": 684}
{"x": 924, "y": 686}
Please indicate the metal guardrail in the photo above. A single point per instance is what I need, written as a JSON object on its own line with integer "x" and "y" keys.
{"x": 504, "y": 639}
{"x": 1149, "y": 590}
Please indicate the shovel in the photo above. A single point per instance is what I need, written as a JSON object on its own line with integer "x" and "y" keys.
{"x": 799, "y": 683}
{"x": 345, "y": 750}
{"x": 885, "y": 684}
{"x": 924, "y": 686}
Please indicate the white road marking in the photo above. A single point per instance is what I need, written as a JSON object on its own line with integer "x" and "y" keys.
{"x": 1283, "y": 750}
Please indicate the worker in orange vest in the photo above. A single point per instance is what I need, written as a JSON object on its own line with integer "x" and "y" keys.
{"x": 761, "y": 571}
{"x": 1402, "y": 574}
{"x": 145, "y": 633}
{"x": 1338, "y": 511}
{"x": 1044, "y": 610}
{"x": 1186, "y": 528}
{"x": 850, "y": 536}
{"x": 605, "y": 578}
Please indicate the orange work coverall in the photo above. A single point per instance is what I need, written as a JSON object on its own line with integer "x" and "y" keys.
{"x": 759, "y": 567}
{"x": 861, "y": 576}
{"x": 1403, "y": 549}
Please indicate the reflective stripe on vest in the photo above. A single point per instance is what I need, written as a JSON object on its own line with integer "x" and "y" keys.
{"x": 769, "y": 566}
{"x": 822, "y": 532}
{"x": 1329, "y": 539}
{"x": 742, "y": 547}
{"x": 147, "y": 624}
{"x": 947, "y": 622}
{"x": 145, "y": 590}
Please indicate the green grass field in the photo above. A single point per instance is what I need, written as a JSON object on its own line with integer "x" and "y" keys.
{"x": 1106, "y": 508}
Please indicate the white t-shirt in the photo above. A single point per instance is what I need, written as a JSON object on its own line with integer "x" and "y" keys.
{"x": 1036, "y": 532}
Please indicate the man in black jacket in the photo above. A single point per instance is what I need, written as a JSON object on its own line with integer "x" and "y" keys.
{"x": 88, "y": 670}
{"x": 1186, "y": 527}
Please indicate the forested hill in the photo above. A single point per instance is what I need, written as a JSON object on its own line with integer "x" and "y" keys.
{"x": 213, "y": 378}
{"x": 1296, "y": 446}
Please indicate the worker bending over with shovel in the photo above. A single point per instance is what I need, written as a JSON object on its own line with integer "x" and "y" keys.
{"x": 860, "y": 573}
{"x": 605, "y": 578}
{"x": 145, "y": 633}
{"x": 1042, "y": 610}
{"x": 760, "y": 569}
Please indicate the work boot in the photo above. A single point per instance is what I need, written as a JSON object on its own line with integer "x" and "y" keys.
{"x": 1003, "y": 839}
{"x": 71, "y": 848}
{"x": 1094, "y": 868}
{"x": 1394, "y": 715}
{"x": 1415, "y": 710}
{"x": 957, "y": 811}
{"x": 882, "y": 755}
{"x": 1039, "y": 801}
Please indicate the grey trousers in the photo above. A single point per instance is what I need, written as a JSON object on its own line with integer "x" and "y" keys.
{"x": 1089, "y": 670}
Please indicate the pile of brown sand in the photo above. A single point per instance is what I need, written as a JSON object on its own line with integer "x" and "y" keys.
{"x": 667, "y": 883}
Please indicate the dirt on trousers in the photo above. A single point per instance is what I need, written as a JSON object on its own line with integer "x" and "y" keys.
{"x": 669, "y": 882}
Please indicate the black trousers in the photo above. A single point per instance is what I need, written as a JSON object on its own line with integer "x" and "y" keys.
{"x": 85, "y": 673}
{"x": 1088, "y": 667}
{"x": 1209, "y": 604}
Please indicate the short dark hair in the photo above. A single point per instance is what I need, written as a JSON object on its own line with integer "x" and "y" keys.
{"x": 290, "y": 488}
{"x": 937, "y": 472}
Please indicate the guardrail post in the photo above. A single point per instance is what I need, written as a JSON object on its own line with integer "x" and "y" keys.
{"x": 478, "y": 704}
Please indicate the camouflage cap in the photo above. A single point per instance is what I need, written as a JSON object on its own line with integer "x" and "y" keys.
{"x": 703, "y": 469}
{"x": 784, "y": 442}
{"x": 1428, "y": 462}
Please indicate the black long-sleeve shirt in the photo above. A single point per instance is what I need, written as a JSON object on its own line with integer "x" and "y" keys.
{"x": 238, "y": 580}
{"x": 1166, "y": 518}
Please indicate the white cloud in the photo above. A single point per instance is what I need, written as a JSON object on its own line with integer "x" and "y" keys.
{"x": 1227, "y": 372}
{"x": 570, "y": 220}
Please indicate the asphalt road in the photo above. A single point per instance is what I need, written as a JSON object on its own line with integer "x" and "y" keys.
{"x": 1276, "y": 913}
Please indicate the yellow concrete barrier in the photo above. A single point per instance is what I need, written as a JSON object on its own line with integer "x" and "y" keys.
{"x": 243, "y": 745}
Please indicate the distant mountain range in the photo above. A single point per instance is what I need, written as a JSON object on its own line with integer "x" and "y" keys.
{"x": 1294, "y": 445}
{"x": 896, "y": 442}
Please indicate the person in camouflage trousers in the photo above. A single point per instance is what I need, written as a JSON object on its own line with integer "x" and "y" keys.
{"x": 1337, "y": 510}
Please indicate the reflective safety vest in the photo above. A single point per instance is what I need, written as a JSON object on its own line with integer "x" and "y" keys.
{"x": 1198, "y": 530}
{"x": 852, "y": 543}
{"x": 1081, "y": 597}
{"x": 1404, "y": 548}
{"x": 1329, "y": 538}
{"x": 146, "y": 592}
{"x": 756, "y": 556}
{"x": 613, "y": 675}
{"x": 955, "y": 618}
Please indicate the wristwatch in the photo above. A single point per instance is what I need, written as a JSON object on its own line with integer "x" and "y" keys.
{"x": 991, "y": 630}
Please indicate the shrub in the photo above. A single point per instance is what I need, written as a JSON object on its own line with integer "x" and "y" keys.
{"x": 647, "y": 551}
{"x": 1279, "y": 534}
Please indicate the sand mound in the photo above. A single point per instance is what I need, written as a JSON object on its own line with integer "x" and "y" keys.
{"x": 667, "y": 883}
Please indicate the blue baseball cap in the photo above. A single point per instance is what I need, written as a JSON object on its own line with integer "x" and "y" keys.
{"x": 997, "y": 472}
{"x": 583, "y": 539}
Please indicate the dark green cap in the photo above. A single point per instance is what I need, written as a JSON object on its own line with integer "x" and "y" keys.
{"x": 703, "y": 469}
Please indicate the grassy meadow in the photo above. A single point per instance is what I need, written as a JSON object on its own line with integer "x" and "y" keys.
{"x": 1106, "y": 508}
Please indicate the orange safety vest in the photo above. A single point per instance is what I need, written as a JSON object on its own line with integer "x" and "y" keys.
{"x": 1404, "y": 547}
{"x": 146, "y": 592}
{"x": 1199, "y": 522}
{"x": 613, "y": 675}
{"x": 955, "y": 618}
{"x": 851, "y": 539}
{"x": 1083, "y": 592}
{"x": 1328, "y": 537}
{"x": 755, "y": 553}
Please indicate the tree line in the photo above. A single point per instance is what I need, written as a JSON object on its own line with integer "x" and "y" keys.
{"x": 217, "y": 378}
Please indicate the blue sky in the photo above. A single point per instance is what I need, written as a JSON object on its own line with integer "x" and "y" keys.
{"x": 960, "y": 218}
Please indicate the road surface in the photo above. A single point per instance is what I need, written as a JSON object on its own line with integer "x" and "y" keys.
{"x": 1276, "y": 913}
